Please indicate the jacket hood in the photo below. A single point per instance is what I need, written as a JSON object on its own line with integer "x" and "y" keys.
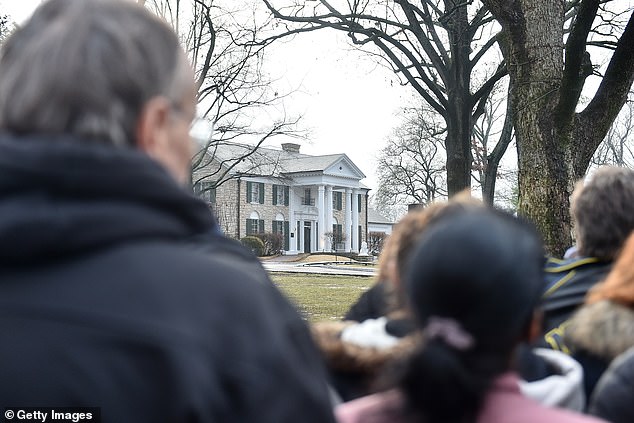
{"x": 605, "y": 329}
{"x": 60, "y": 196}
{"x": 363, "y": 350}
{"x": 564, "y": 389}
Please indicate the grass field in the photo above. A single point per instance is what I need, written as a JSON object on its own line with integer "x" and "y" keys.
{"x": 321, "y": 297}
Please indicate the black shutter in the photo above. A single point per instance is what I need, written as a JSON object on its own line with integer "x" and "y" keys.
{"x": 249, "y": 190}
{"x": 359, "y": 203}
{"x": 339, "y": 201}
{"x": 286, "y": 195}
{"x": 286, "y": 236}
{"x": 274, "y": 197}
{"x": 261, "y": 226}
{"x": 261, "y": 193}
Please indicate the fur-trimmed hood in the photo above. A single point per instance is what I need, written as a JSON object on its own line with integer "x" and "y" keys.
{"x": 604, "y": 329}
{"x": 367, "y": 358}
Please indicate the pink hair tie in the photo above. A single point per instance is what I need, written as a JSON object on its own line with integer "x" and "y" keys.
{"x": 449, "y": 331}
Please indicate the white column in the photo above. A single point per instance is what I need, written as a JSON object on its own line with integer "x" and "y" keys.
{"x": 320, "y": 218}
{"x": 301, "y": 236}
{"x": 292, "y": 225}
{"x": 328, "y": 216}
{"x": 348, "y": 219}
{"x": 355, "y": 220}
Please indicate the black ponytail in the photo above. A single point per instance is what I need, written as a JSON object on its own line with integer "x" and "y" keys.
{"x": 445, "y": 385}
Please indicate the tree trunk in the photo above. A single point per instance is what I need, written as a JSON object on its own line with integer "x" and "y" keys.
{"x": 554, "y": 143}
{"x": 459, "y": 111}
{"x": 535, "y": 67}
{"x": 490, "y": 174}
{"x": 459, "y": 128}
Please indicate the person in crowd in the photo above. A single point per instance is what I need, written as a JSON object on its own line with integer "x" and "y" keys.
{"x": 359, "y": 349}
{"x": 358, "y": 353}
{"x": 603, "y": 328}
{"x": 473, "y": 284}
{"x": 117, "y": 290}
{"x": 614, "y": 394}
{"x": 602, "y": 211}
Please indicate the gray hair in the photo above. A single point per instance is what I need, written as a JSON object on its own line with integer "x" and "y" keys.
{"x": 87, "y": 68}
{"x": 603, "y": 212}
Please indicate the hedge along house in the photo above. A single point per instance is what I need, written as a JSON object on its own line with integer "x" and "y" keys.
{"x": 317, "y": 203}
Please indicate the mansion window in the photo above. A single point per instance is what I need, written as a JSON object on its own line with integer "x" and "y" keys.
{"x": 280, "y": 226}
{"x": 255, "y": 192}
{"x": 206, "y": 191}
{"x": 255, "y": 226}
{"x": 337, "y": 200}
{"x": 337, "y": 236}
{"x": 307, "y": 200}
{"x": 280, "y": 195}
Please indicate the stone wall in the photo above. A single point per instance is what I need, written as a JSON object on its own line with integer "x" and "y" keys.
{"x": 226, "y": 207}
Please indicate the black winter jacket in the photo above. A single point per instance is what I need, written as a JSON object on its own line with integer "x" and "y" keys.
{"x": 117, "y": 291}
{"x": 567, "y": 283}
{"x": 614, "y": 394}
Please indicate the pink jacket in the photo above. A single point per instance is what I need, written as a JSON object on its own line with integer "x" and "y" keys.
{"x": 504, "y": 404}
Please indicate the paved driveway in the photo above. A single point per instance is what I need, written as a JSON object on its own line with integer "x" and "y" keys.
{"x": 319, "y": 268}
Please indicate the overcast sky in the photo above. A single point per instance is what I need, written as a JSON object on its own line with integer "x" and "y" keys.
{"x": 348, "y": 103}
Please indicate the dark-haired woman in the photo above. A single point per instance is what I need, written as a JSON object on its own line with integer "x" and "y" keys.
{"x": 474, "y": 282}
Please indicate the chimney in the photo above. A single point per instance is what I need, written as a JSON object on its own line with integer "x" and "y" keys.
{"x": 290, "y": 147}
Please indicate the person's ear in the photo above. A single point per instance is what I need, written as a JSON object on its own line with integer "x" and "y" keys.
{"x": 152, "y": 127}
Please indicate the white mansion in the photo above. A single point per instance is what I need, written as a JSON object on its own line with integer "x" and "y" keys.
{"x": 310, "y": 200}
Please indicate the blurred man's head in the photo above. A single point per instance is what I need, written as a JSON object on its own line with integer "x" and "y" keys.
{"x": 102, "y": 71}
{"x": 603, "y": 212}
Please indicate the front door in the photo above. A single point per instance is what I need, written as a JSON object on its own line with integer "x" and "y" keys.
{"x": 307, "y": 238}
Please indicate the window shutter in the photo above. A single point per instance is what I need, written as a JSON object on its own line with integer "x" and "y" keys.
{"x": 339, "y": 201}
{"x": 261, "y": 193}
{"x": 359, "y": 203}
{"x": 248, "y": 228}
{"x": 286, "y": 195}
{"x": 261, "y": 226}
{"x": 286, "y": 236}
{"x": 274, "y": 198}
{"x": 249, "y": 189}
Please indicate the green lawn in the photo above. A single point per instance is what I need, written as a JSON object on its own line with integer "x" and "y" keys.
{"x": 322, "y": 297}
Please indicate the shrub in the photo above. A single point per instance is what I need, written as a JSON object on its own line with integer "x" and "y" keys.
{"x": 255, "y": 244}
{"x": 376, "y": 240}
{"x": 273, "y": 243}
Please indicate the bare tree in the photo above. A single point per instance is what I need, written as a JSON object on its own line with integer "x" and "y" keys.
{"x": 547, "y": 53}
{"x": 235, "y": 96}
{"x": 376, "y": 241}
{"x": 495, "y": 123}
{"x": 410, "y": 168}
{"x": 433, "y": 45}
{"x": 617, "y": 148}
